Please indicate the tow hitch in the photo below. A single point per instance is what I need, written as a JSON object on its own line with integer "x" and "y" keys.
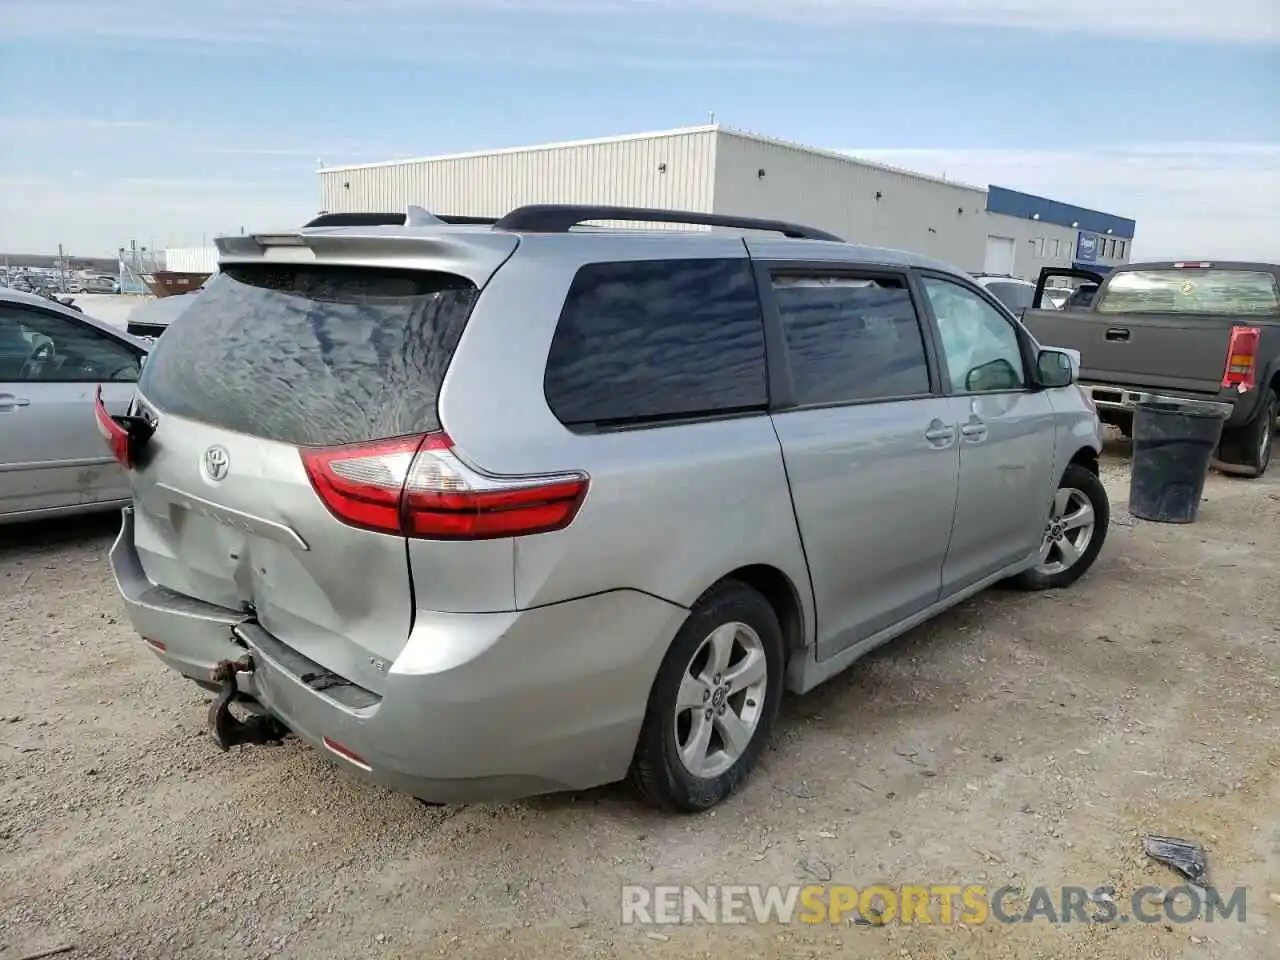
{"x": 225, "y": 727}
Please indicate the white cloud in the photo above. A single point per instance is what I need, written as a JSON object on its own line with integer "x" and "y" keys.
{"x": 94, "y": 217}
{"x": 1249, "y": 21}
{"x": 399, "y": 27}
{"x": 1189, "y": 199}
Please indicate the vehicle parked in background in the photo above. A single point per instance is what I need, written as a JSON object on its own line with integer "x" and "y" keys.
{"x": 153, "y": 318}
{"x": 52, "y": 358}
{"x": 1081, "y": 298}
{"x": 1013, "y": 293}
{"x": 1188, "y": 329}
{"x": 489, "y": 510}
{"x": 1055, "y": 298}
{"x": 101, "y": 285}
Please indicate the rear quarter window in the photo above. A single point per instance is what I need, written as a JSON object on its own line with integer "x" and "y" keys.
{"x": 312, "y": 355}
{"x": 657, "y": 340}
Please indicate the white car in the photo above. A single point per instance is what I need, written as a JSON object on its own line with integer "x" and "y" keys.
{"x": 53, "y": 359}
{"x": 1013, "y": 293}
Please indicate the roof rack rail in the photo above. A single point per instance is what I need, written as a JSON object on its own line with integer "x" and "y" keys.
{"x": 371, "y": 219}
{"x": 561, "y": 217}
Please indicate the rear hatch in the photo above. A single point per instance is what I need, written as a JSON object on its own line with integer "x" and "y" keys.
{"x": 1162, "y": 328}
{"x": 271, "y": 369}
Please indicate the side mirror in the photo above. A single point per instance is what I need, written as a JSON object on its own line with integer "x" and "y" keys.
{"x": 999, "y": 374}
{"x": 1056, "y": 368}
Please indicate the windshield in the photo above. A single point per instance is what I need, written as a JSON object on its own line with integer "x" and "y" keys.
{"x": 1016, "y": 296}
{"x": 1199, "y": 291}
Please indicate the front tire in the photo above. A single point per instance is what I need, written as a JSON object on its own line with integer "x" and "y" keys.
{"x": 713, "y": 703}
{"x": 1074, "y": 534}
{"x": 1247, "y": 452}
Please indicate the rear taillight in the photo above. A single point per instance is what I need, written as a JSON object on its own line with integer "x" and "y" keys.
{"x": 117, "y": 437}
{"x": 418, "y": 487}
{"x": 1242, "y": 359}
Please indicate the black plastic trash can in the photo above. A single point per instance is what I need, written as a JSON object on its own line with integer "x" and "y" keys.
{"x": 1173, "y": 443}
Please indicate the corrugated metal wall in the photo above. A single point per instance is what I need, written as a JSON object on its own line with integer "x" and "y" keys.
{"x": 941, "y": 220}
{"x": 1035, "y": 244}
{"x": 706, "y": 169}
{"x": 191, "y": 259}
{"x": 1038, "y": 244}
{"x": 623, "y": 171}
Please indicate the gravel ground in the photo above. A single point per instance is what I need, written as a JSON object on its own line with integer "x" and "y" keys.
{"x": 1025, "y": 739}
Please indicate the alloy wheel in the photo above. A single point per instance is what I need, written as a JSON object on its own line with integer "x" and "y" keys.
{"x": 721, "y": 700}
{"x": 1068, "y": 533}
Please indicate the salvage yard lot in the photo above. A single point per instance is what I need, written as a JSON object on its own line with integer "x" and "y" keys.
{"x": 1027, "y": 739}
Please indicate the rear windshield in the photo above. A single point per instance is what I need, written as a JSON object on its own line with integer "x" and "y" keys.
{"x": 311, "y": 355}
{"x": 1221, "y": 292}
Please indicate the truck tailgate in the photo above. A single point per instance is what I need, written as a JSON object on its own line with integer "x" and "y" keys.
{"x": 1165, "y": 351}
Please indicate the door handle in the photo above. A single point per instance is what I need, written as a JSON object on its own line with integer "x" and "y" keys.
{"x": 1117, "y": 335}
{"x": 8, "y": 401}
{"x": 940, "y": 435}
{"x": 974, "y": 431}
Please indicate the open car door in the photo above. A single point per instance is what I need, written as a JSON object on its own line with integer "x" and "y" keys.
{"x": 1086, "y": 275}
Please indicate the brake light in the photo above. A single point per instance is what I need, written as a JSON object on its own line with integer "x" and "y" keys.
{"x": 1242, "y": 359}
{"x": 117, "y": 437}
{"x": 418, "y": 487}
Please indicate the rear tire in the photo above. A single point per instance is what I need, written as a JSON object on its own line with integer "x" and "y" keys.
{"x": 713, "y": 703}
{"x": 1075, "y": 532}
{"x": 1247, "y": 452}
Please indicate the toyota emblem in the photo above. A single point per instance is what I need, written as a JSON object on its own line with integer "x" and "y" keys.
{"x": 216, "y": 463}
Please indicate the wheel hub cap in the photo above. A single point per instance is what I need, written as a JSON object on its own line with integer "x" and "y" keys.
{"x": 721, "y": 700}
{"x": 1068, "y": 532}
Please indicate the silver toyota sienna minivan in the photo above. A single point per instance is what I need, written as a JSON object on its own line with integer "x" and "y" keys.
{"x": 488, "y": 509}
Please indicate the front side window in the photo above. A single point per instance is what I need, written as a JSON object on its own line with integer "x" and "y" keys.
{"x": 649, "y": 341}
{"x": 979, "y": 343}
{"x": 41, "y": 347}
{"x": 851, "y": 339}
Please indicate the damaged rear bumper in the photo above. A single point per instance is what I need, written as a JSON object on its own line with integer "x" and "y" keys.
{"x": 483, "y": 706}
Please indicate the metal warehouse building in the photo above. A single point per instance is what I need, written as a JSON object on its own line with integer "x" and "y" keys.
{"x": 712, "y": 169}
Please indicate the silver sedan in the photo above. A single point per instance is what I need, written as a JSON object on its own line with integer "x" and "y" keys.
{"x": 53, "y": 461}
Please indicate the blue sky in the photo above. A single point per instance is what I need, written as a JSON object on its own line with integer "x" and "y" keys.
{"x": 169, "y": 121}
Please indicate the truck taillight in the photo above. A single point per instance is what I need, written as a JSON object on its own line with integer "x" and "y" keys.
{"x": 1242, "y": 359}
{"x": 418, "y": 487}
